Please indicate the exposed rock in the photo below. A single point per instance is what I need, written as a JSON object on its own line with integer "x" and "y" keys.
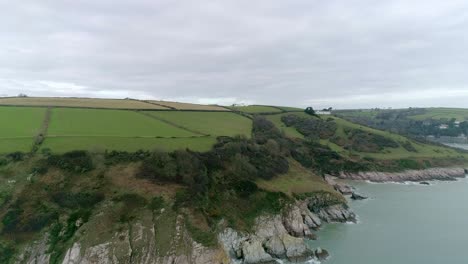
{"x": 253, "y": 252}
{"x": 294, "y": 223}
{"x": 275, "y": 247}
{"x": 296, "y": 250}
{"x": 357, "y": 196}
{"x": 321, "y": 254}
{"x": 425, "y": 183}
{"x": 340, "y": 187}
{"x": 36, "y": 252}
{"x": 443, "y": 174}
{"x": 337, "y": 213}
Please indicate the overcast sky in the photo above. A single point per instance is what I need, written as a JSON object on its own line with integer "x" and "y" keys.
{"x": 345, "y": 54}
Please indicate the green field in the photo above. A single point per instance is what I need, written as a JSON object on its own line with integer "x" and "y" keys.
{"x": 208, "y": 123}
{"x": 100, "y": 144}
{"x": 19, "y": 127}
{"x": 440, "y": 113}
{"x": 256, "y": 109}
{"x": 69, "y": 122}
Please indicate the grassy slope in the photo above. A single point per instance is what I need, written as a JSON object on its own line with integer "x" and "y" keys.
{"x": 439, "y": 113}
{"x": 298, "y": 180}
{"x": 212, "y": 123}
{"x": 255, "y": 109}
{"x": 424, "y": 150}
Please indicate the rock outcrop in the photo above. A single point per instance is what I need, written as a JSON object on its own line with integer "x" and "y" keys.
{"x": 443, "y": 174}
{"x": 281, "y": 236}
{"x": 357, "y": 196}
{"x": 340, "y": 187}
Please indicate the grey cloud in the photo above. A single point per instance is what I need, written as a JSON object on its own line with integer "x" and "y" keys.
{"x": 357, "y": 53}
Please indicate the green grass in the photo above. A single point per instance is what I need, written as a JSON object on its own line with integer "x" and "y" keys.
{"x": 439, "y": 113}
{"x": 288, "y": 131}
{"x": 19, "y": 126}
{"x": 297, "y": 180}
{"x": 423, "y": 150}
{"x": 210, "y": 123}
{"x": 16, "y": 144}
{"x": 100, "y": 144}
{"x": 290, "y": 109}
{"x": 112, "y": 123}
{"x": 256, "y": 109}
{"x": 20, "y": 121}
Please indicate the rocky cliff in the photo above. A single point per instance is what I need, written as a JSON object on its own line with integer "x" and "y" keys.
{"x": 444, "y": 174}
{"x": 149, "y": 239}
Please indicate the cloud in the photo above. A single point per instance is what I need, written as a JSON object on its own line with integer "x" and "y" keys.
{"x": 355, "y": 53}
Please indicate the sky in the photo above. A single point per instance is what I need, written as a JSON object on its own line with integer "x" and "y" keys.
{"x": 343, "y": 54}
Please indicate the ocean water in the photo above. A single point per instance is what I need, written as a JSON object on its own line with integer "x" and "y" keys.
{"x": 402, "y": 224}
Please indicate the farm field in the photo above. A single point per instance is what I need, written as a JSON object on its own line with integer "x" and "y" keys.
{"x": 100, "y": 144}
{"x": 95, "y": 122}
{"x": 208, "y": 123}
{"x": 19, "y": 127}
{"x": 188, "y": 106}
{"x": 256, "y": 109}
{"x": 79, "y": 102}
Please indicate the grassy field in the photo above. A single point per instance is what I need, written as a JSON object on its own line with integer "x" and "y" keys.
{"x": 255, "y": 109}
{"x": 187, "y": 106}
{"x": 439, "y": 113}
{"x": 19, "y": 127}
{"x": 79, "y": 102}
{"x": 100, "y": 144}
{"x": 113, "y": 123}
{"x": 209, "y": 123}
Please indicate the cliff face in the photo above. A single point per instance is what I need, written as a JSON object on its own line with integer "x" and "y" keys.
{"x": 444, "y": 174}
{"x": 148, "y": 239}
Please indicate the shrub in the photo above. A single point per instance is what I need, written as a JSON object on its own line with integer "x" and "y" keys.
{"x": 156, "y": 203}
{"x": 78, "y": 161}
{"x": 16, "y": 156}
{"x": 7, "y": 251}
{"x": 245, "y": 188}
{"x": 77, "y": 200}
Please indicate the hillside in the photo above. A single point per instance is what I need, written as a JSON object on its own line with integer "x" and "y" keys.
{"x": 421, "y": 123}
{"x": 146, "y": 185}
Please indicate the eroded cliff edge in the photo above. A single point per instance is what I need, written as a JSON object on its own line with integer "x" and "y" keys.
{"x": 150, "y": 239}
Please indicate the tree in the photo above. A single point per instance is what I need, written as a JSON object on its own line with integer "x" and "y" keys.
{"x": 309, "y": 110}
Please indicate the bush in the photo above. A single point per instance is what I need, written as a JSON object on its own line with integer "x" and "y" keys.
{"x": 77, "y": 200}
{"x": 11, "y": 219}
{"x": 78, "y": 161}
{"x": 245, "y": 188}
{"x": 16, "y": 156}
{"x": 7, "y": 251}
{"x": 156, "y": 203}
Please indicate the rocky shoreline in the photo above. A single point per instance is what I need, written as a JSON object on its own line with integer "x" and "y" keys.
{"x": 442, "y": 174}
{"x": 283, "y": 236}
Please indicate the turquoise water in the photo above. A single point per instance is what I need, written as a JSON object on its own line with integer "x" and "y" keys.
{"x": 402, "y": 224}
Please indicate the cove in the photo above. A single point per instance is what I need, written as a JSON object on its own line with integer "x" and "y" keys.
{"x": 402, "y": 223}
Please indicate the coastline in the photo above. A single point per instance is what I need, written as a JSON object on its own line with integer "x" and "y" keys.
{"x": 443, "y": 174}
